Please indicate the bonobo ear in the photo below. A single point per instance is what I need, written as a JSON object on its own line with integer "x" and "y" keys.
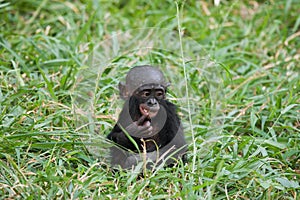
{"x": 167, "y": 84}
{"x": 123, "y": 90}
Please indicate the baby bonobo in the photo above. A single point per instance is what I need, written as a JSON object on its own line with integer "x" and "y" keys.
{"x": 148, "y": 127}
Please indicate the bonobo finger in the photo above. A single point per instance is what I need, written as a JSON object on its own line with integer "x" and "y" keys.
{"x": 131, "y": 128}
{"x": 144, "y": 128}
{"x": 144, "y": 134}
{"x": 147, "y": 133}
{"x": 150, "y": 128}
{"x": 141, "y": 131}
{"x": 147, "y": 124}
{"x": 141, "y": 120}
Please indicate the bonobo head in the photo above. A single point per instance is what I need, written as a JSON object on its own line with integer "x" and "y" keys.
{"x": 148, "y": 86}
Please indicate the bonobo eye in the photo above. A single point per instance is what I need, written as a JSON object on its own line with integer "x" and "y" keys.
{"x": 159, "y": 94}
{"x": 145, "y": 93}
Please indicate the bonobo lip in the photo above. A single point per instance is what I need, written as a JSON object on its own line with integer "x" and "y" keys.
{"x": 149, "y": 111}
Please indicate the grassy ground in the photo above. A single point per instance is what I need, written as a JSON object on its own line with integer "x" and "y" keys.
{"x": 234, "y": 70}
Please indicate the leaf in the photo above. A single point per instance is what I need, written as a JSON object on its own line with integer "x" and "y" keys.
{"x": 287, "y": 183}
{"x": 265, "y": 183}
{"x": 49, "y": 84}
{"x": 253, "y": 119}
{"x": 288, "y": 108}
{"x": 56, "y": 62}
{"x": 84, "y": 29}
{"x": 272, "y": 143}
{"x": 275, "y": 144}
{"x": 16, "y": 56}
{"x": 2, "y": 5}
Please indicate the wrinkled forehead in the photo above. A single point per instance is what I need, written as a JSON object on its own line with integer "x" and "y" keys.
{"x": 145, "y": 76}
{"x": 151, "y": 87}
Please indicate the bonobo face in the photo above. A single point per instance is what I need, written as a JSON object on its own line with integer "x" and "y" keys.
{"x": 150, "y": 97}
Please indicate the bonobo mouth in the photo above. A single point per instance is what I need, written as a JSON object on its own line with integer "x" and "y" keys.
{"x": 148, "y": 111}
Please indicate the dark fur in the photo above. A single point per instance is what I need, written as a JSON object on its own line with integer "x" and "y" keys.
{"x": 170, "y": 135}
{"x": 166, "y": 134}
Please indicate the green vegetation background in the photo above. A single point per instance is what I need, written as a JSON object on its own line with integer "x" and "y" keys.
{"x": 45, "y": 47}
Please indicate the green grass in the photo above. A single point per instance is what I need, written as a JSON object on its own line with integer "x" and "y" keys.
{"x": 234, "y": 71}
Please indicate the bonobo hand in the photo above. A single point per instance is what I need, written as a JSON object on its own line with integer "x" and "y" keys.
{"x": 140, "y": 129}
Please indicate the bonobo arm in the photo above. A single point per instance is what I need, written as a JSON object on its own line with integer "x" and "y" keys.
{"x": 117, "y": 135}
{"x": 137, "y": 129}
{"x": 176, "y": 149}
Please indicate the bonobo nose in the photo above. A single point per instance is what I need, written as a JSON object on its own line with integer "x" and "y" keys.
{"x": 151, "y": 102}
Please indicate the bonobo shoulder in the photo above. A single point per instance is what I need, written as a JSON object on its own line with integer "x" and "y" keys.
{"x": 171, "y": 106}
